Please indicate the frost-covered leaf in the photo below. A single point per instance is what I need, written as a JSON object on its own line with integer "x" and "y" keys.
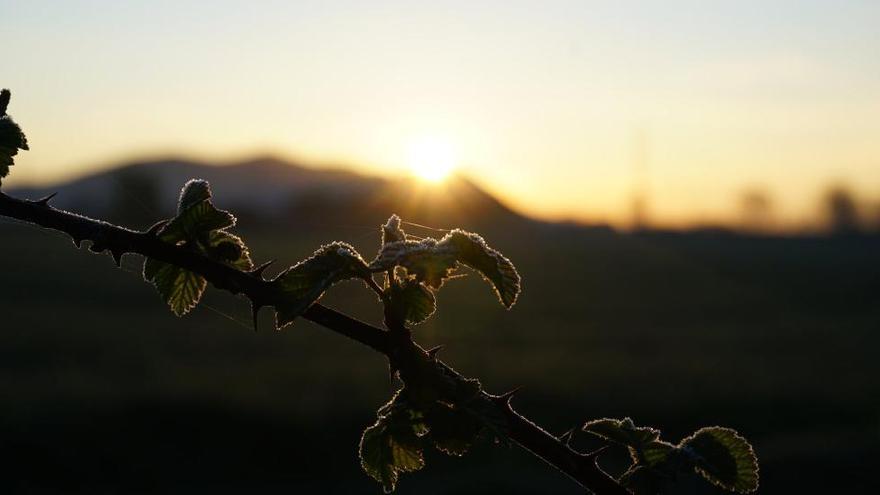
{"x": 391, "y": 231}
{"x": 305, "y": 283}
{"x": 622, "y": 431}
{"x": 452, "y": 430}
{"x": 431, "y": 261}
{"x": 723, "y": 457}
{"x": 413, "y": 302}
{"x": 422, "y": 260}
{"x": 12, "y": 138}
{"x": 470, "y": 249}
{"x": 194, "y": 191}
{"x": 181, "y": 289}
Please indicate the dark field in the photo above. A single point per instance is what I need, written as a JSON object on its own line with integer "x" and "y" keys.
{"x": 105, "y": 391}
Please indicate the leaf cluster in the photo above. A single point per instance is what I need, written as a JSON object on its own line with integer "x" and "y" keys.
{"x": 200, "y": 227}
{"x": 415, "y": 269}
{"x": 406, "y": 426}
{"x": 720, "y": 455}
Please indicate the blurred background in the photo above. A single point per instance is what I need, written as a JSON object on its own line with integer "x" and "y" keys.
{"x": 691, "y": 191}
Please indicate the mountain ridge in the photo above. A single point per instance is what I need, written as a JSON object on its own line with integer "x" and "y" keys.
{"x": 272, "y": 189}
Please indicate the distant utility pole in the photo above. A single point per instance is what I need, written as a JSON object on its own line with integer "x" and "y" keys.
{"x": 640, "y": 202}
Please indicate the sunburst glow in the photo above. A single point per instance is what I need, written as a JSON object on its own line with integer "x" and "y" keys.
{"x": 432, "y": 159}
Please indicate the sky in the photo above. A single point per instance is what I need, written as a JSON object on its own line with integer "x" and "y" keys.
{"x": 562, "y": 108}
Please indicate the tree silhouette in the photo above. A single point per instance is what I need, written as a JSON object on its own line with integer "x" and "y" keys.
{"x": 842, "y": 211}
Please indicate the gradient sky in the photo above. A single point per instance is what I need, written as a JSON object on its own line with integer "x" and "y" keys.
{"x": 544, "y": 102}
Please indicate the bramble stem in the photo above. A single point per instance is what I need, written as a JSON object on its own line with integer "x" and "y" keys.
{"x": 117, "y": 240}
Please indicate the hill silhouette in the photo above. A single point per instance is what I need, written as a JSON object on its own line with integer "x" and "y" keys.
{"x": 267, "y": 191}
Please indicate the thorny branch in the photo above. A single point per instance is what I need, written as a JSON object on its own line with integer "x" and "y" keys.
{"x": 404, "y": 355}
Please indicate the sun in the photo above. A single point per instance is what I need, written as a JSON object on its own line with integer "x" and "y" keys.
{"x": 432, "y": 159}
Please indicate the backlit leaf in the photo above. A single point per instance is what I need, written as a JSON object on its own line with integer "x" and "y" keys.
{"x": 229, "y": 249}
{"x": 391, "y": 231}
{"x": 452, "y": 430}
{"x": 470, "y": 249}
{"x": 723, "y": 457}
{"x": 392, "y": 446}
{"x": 194, "y": 191}
{"x": 413, "y": 302}
{"x": 422, "y": 260}
{"x": 180, "y": 288}
{"x": 198, "y": 227}
{"x": 151, "y": 268}
{"x": 653, "y": 453}
{"x": 432, "y": 262}
{"x": 196, "y": 222}
{"x": 303, "y": 284}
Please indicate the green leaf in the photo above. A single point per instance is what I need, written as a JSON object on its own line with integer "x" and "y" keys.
{"x": 387, "y": 451}
{"x": 392, "y": 445}
{"x": 151, "y": 268}
{"x": 195, "y": 222}
{"x": 452, "y": 430}
{"x": 391, "y": 231}
{"x": 470, "y": 249}
{"x": 303, "y": 284}
{"x": 375, "y": 456}
{"x": 654, "y": 453}
{"x": 724, "y": 458}
{"x": 622, "y": 431}
{"x": 12, "y": 138}
{"x": 413, "y": 302}
{"x": 194, "y": 191}
{"x": 198, "y": 227}
{"x": 180, "y": 288}
{"x": 230, "y": 249}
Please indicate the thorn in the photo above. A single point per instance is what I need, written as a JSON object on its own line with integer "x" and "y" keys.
{"x": 392, "y": 372}
{"x": 567, "y": 437}
{"x": 432, "y": 352}
{"x": 255, "y": 309}
{"x": 156, "y": 227}
{"x": 506, "y": 397}
{"x": 258, "y": 271}
{"x": 117, "y": 257}
{"x": 45, "y": 201}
